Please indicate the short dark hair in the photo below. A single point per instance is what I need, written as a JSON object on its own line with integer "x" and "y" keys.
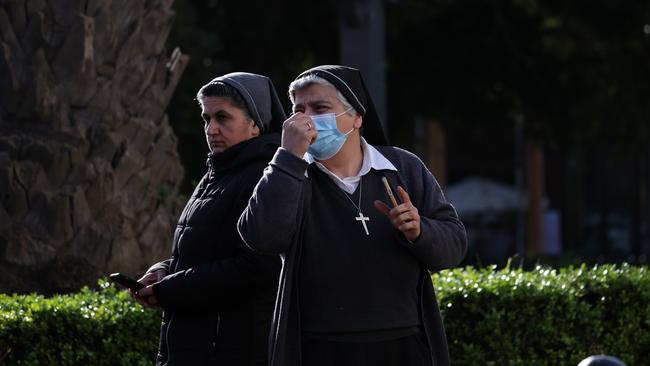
{"x": 223, "y": 90}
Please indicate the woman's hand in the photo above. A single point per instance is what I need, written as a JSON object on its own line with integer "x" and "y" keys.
{"x": 145, "y": 296}
{"x": 298, "y": 133}
{"x": 404, "y": 217}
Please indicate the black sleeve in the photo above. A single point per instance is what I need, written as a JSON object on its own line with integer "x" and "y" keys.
{"x": 206, "y": 285}
{"x": 271, "y": 218}
{"x": 443, "y": 240}
{"x": 164, "y": 265}
{"x": 209, "y": 284}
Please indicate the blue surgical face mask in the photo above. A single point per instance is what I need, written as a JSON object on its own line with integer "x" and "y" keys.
{"x": 330, "y": 139}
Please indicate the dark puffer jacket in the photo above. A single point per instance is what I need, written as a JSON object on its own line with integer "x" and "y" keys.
{"x": 218, "y": 296}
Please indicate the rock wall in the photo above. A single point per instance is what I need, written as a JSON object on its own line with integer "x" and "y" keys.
{"x": 89, "y": 171}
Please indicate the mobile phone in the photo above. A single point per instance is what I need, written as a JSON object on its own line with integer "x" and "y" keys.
{"x": 126, "y": 281}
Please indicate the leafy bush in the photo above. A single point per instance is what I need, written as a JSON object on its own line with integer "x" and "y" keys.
{"x": 544, "y": 316}
{"x": 104, "y": 327}
{"x": 492, "y": 317}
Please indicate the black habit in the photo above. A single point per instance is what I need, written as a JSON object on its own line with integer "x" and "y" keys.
{"x": 280, "y": 219}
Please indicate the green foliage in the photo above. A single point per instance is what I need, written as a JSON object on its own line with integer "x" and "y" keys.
{"x": 574, "y": 71}
{"x": 545, "y": 316}
{"x": 492, "y": 317}
{"x": 104, "y": 327}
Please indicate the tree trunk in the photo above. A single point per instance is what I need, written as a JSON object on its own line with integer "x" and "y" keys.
{"x": 435, "y": 153}
{"x": 89, "y": 170}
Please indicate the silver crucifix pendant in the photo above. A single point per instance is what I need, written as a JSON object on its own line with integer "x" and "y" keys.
{"x": 363, "y": 220}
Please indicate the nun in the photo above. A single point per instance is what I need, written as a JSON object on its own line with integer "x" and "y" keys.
{"x": 216, "y": 294}
{"x": 360, "y": 227}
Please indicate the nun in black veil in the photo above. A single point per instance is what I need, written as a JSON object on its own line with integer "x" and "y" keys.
{"x": 355, "y": 286}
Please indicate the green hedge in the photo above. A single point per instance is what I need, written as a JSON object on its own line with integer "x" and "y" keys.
{"x": 546, "y": 317}
{"x": 104, "y": 327}
{"x": 493, "y": 317}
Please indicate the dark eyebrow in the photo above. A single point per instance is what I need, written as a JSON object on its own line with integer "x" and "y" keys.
{"x": 313, "y": 103}
{"x": 320, "y": 102}
{"x": 222, "y": 113}
{"x": 219, "y": 113}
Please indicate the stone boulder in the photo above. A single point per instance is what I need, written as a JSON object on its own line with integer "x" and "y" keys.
{"x": 89, "y": 171}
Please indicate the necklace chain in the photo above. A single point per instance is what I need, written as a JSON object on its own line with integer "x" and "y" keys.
{"x": 358, "y": 207}
{"x": 361, "y": 218}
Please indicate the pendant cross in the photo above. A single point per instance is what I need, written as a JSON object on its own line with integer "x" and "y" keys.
{"x": 363, "y": 220}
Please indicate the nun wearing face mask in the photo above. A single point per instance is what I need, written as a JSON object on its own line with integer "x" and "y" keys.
{"x": 355, "y": 287}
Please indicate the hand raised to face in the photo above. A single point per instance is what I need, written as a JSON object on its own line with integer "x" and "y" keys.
{"x": 297, "y": 133}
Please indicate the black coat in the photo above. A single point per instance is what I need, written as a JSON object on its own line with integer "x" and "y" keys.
{"x": 218, "y": 297}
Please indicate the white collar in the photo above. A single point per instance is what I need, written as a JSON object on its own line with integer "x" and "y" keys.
{"x": 372, "y": 159}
